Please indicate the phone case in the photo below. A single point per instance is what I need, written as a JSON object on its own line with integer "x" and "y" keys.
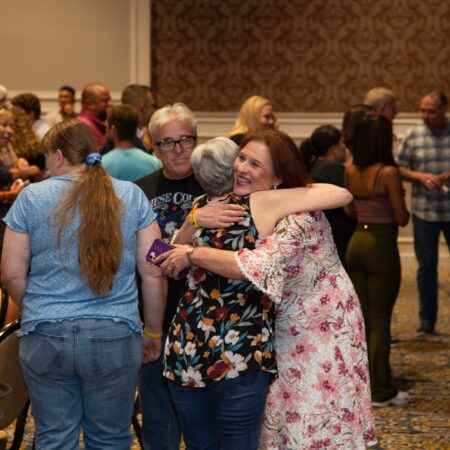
{"x": 158, "y": 247}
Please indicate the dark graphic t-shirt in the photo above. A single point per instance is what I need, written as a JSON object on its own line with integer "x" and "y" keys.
{"x": 172, "y": 201}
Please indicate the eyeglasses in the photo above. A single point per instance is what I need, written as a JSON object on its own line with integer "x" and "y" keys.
{"x": 186, "y": 143}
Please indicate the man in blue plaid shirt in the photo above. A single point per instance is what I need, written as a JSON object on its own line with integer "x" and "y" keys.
{"x": 424, "y": 159}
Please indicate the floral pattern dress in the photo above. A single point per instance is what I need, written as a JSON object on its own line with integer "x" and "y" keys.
{"x": 322, "y": 396}
{"x": 222, "y": 328}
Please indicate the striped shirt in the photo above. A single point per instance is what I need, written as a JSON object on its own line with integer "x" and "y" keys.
{"x": 425, "y": 150}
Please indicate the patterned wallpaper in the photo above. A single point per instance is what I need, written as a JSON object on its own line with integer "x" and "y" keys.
{"x": 305, "y": 55}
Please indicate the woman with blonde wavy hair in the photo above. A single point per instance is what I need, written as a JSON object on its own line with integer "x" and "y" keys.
{"x": 71, "y": 247}
{"x": 11, "y": 167}
{"x": 256, "y": 114}
{"x": 24, "y": 140}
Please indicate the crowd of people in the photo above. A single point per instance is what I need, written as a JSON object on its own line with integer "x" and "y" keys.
{"x": 279, "y": 336}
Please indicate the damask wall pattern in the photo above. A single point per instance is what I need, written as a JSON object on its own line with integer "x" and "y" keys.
{"x": 311, "y": 56}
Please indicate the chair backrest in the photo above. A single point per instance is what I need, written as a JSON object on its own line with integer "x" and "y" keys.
{"x": 3, "y": 306}
{"x": 11, "y": 375}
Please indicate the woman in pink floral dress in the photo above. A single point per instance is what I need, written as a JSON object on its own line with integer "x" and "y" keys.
{"x": 321, "y": 398}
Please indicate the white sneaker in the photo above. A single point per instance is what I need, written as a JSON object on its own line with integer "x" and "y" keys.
{"x": 402, "y": 398}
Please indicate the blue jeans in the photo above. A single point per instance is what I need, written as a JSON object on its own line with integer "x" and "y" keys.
{"x": 426, "y": 245}
{"x": 225, "y": 415}
{"x": 81, "y": 374}
{"x": 160, "y": 425}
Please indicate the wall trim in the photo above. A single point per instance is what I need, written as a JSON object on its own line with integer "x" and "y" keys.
{"x": 299, "y": 125}
{"x": 140, "y": 45}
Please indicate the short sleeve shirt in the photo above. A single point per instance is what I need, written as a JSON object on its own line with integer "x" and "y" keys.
{"x": 55, "y": 289}
{"x": 425, "y": 150}
{"x": 172, "y": 201}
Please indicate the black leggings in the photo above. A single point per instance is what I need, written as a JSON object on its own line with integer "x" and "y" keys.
{"x": 373, "y": 264}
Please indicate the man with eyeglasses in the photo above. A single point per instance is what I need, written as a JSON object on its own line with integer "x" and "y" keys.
{"x": 171, "y": 191}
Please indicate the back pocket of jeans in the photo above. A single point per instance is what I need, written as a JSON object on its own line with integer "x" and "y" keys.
{"x": 110, "y": 354}
{"x": 42, "y": 353}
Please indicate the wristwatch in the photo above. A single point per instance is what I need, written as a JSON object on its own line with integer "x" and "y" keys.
{"x": 189, "y": 252}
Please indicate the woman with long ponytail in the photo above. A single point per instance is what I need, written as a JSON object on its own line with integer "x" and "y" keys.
{"x": 72, "y": 244}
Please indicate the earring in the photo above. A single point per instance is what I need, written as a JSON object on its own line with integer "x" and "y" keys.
{"x": 275, "y": 185}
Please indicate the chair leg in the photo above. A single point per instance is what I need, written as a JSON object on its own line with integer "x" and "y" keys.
{"x": 4, "y": 299}
{"x": 20, "y": 427}
{"x": 135, "y": 423}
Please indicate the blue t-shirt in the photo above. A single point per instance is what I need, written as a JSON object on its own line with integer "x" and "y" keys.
{"x": 130, "y": 164}
{"x": 55, "y": 290}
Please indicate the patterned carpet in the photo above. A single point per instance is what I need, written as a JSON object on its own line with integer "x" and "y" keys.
{"x": 421, "y": 365}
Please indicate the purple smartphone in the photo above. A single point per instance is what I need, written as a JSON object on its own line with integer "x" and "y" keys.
{"x": 158, "y": 247}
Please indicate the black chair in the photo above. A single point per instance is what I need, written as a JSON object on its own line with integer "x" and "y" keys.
{"x": 3, "y": 306}
{"x": 14, "y": 406}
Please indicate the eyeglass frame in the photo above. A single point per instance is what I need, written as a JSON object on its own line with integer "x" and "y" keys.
{"x": 176, "y": 141}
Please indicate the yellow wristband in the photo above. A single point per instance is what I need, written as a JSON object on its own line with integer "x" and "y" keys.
{"x": 192, "y": 217}
{"x": 152, "y": 335}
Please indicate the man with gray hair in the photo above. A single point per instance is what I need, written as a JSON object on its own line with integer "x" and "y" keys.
{"x": 171, "y": 192}
{"x": 424, "y": 159}
{"x": 383, "y": 100}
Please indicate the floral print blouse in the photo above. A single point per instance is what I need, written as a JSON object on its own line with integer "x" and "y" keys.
{"x": 222, "y": 327}
{"x": 322, "y": 396}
